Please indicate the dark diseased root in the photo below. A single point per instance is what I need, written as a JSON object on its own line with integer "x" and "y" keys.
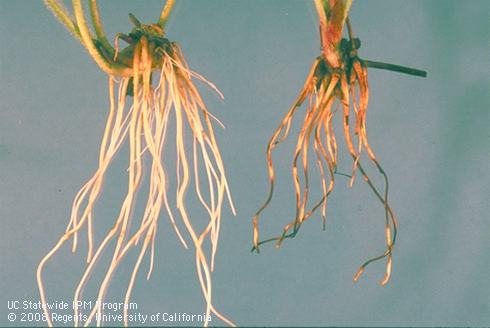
{"x": 324, "y": 85}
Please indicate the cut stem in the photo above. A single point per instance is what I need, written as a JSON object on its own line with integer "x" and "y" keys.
{"x": 395, "y": 68}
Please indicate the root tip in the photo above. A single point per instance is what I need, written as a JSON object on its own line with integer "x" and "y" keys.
{"x": 358, "y": 274}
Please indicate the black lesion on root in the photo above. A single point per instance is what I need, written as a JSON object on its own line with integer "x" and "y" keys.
{"x": 323, "y": 72}
{"x": 296, "y": 226}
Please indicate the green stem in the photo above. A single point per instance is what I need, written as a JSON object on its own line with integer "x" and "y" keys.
{"x": 167, "y": 9}
{"x": 396, "y": 68}
{"x": 87, "y": 41}
{"x": 99, "y": 28}
{"x": 60, "y": 12}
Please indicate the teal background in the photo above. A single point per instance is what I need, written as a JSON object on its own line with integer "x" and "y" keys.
{"x": 432, "y": 136}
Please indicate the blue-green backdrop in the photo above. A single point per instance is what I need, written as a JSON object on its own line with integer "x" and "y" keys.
{"x": 432, "y": 136}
